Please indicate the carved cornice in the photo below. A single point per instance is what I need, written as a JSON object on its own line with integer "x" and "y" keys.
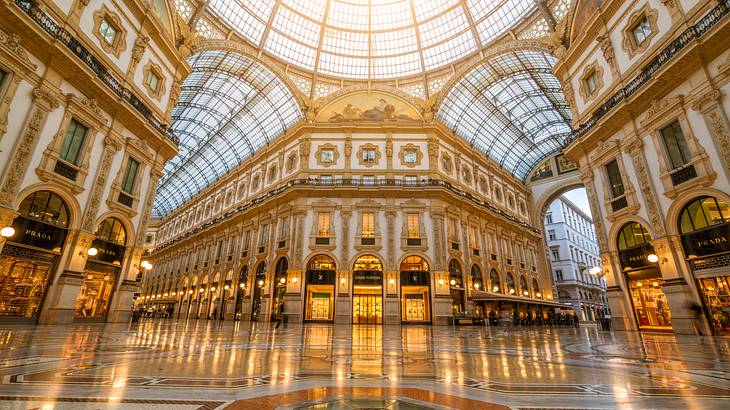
{"x": 706, "y": 97}
{"x": 12, "y": 42}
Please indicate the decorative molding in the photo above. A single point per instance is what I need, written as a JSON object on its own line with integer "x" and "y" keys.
{"x": 324, "y": 147}
{"x": 11, "y": 41}
{"x": 112, "y": 145}
{"x": 140, "y": 45}
{"x": 629, "y": 43}
{"x": 361, "y": 150}
{"x": 604, "y": 41}
{"x": 120, "y": 40}
{"x": 174, "y": 97}
{"x": 635, "y": 151}
{"x": 152, "y": 68}
{"x": 707, "y": 97}
{"x": 586, "y": 175}
{"x": 717, "y": 122}
{"x": 410, "y": 148}
{"x": 446, "y": 163}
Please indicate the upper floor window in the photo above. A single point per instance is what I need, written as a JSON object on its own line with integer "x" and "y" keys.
{"x": 108, "y": 32}
{"x": 614, "y": 179}
{"x": 368, "y": 225}
{"x": 641, "y": 31}
{"x": 327, "y": 156}
{"x": 556, "y": 255}
{"x": 323, "y": 225}
{"x": 263, "y": 234}
{"x": 130, "y": 176}
{"x": 549, "y": 218}
{"x": 283, "y": 227}
{"x": 152, "y": 80}
{"x": 551, "y": 235}
{"x": 73, "y": 141}
{"x": 559, "y": 274}
{"x": 676, "y": 144}
{"x": 702, "y": 213}
{"x": 45, "y": 206}
{"x": 3, "y": 74}
{"x": 368, "y": 156}
{"x": 591, "y": 82}
{"x": 414, "y": 225}
{"x": 410, "y": 156}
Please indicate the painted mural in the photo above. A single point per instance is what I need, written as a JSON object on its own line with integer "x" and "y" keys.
{"x": 362, "y": 106}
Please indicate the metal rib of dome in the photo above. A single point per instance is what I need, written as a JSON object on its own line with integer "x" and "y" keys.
{"x": 367, "y": 39}
{"x": 511, "y": 107}
{"x": 229, "y": 107}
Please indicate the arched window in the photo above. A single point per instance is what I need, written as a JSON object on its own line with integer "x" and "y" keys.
{"x": 511, "y": 284}
{"x": 368, "y": 262}
{"x": 321, "y": 262}
{"x": 414, "y": 263}
{"x": 455, "y": 278}
{"x": 632, "y": 234}
{"x": 494, "y": 279}
{"x": 260, "y": 274}
{"x": 523, "y": 286}
{"x": 243, "y": 276}
{"x": 281, "y": 267}
{"x": 703, "y": 212}
{"x": 45, "y": 206}
{"x": 476, "y": 277}
{"x": 536, "y": 288}
{"x": 112, "y": 230}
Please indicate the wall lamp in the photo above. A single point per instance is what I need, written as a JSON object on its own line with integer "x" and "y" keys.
{"x": 7, "y": 232}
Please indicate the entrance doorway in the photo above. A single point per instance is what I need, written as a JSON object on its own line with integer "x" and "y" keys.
{"x": 367, "y": 292}
{"x": 320, "y": 293}
{"x": 258, "y": 290}
{"x": 415, "y": 288}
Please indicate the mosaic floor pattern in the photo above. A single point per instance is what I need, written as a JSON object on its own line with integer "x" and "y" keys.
{"x": 166, "y": 364}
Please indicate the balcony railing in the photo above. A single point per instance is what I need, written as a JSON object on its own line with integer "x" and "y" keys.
{"x": 59, "y": 33}
{"x": 683, "y": 174}
{"x": 688, "y": 36}
{"x": 356, "y": 182}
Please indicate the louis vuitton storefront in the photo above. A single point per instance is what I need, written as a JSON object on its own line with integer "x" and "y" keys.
{"x": 705, "y": 227}
{"x": 31, "y": 255}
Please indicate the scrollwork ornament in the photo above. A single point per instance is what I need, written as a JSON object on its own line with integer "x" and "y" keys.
{"x": 647, "y": 192}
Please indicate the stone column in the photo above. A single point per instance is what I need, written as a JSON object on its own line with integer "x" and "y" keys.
{"x": 635, "y": 149}
{"x": 112, "y": 144}
{"x": 617, "y": 293}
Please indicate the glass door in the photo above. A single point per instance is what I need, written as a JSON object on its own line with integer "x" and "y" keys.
{"x": 367, "y": 308}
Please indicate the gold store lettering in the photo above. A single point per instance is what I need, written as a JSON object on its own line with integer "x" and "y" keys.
{"x": 713, "y": 241}
{"x": 37, "y": 234}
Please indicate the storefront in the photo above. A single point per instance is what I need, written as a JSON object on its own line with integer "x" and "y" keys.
{"x": 258, "y": 290}
{"x": 415, "y": 290}
{"x": 643, "y": 278}
{"x": 102, "y": 271}
{"x": 30, "y": 256}
{"x": 705, "y": 227}
{"x": 367, "y": 291}
{"x": 456, "y": 288}
{"x": 241, "y": 294}
{"x": 320, "y": 289}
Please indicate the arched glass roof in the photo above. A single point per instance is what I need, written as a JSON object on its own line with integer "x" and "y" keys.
{"x": 229, "y": 107}
{"x": 512, "y": 108}
{"x": 364, "y": 39}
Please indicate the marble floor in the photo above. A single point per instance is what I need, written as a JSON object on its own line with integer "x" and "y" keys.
{"x": 167, "y": 364}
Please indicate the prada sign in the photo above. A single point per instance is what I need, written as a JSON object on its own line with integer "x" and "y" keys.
{"x": 321, "y": 277}
{"x": 108, "y": 252}
{"x": 637, "y": 257}
{"x": 415, "y": 278}
{"x": 367, "y": 277}
{"x": 36, "y": 233}
{"x": 707, "y": 241}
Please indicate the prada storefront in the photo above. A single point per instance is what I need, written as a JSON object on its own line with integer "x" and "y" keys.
{"x": 101, "y": 271}
{"x": 30, "y": 256}
{"x": 644, "y": 280}
{"x": 320, "y": 289}
{"x": 705, "y": 227}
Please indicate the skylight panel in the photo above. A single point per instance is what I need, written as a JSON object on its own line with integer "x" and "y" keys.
{"x": 240, "y": 18}
{"x": 480, "y": 8}
{"x": 313, "y": 9}
{"x": 502, "y": 19}
{"x": 348, "y": 43}
{"x": 306, "y": 31}
{"x": 449, "y": 51}
{"x": 290, "y": 50}
{"x": 348, "y": 15}
{"x": 184, "y": 9}
{"x": 401, "y": 65}
{"x": 338, "y": 65}
{"x": 426, "y": 9}
{"x": 390, "y": 15}
{"x": 443, "y": 27}
{"x": 394, "y": 42}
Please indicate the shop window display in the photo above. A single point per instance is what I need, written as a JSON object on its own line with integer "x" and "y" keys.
{"x": 650, "y": 304}
{"x": 716, "y": 292}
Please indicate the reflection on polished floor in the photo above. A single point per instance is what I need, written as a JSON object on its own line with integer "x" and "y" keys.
{"x": 203, "y": 365}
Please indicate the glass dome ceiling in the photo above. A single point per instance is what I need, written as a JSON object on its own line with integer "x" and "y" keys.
{"x": 366, "y": 39}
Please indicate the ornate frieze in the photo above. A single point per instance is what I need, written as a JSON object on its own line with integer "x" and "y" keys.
{"x": 634, "y": 147}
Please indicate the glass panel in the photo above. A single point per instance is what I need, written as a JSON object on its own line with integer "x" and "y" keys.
{"x": 614, "y": 179}
{"x": 368, "y": 225}
{"x": 323, "y": 225}
{"x": 72, "y": 142}
{"x": 23, "y": 285}
{"x": 46, "y": 207}
{"x": 676, "y": 145}
{"x": 107, "y": 32}
{"x": 414, "y": 225}
{"x": 650, "y": 304}
{"x": 130, "y": 176}
{"x": 641, "y": 31}
{"x": 95, "y": 294}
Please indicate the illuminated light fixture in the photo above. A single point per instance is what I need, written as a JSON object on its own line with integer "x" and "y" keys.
{"x": 452, "y": 282}
{"x": 476, "y": 286}
{"x": 512, "y": 291}
{"x": 282, "y": 280}
{"x": 173, "y": 294}
{"x": 639, "y": 284}
{"x": 524, "y": 292}
{"x": 92, "y": 251}
{"x": 392, "y": 281}
{"x": 201, "y": 290}
{"x": 652, "y": 258}
{"x": 226, "y": 287}
{"x": 146, "y": 265}
{"x": 550, "y": 296}
{"x": 343, "y": 280}
{"x": 190, "y": 292}
{"x": 655, "y": 284}
{"x": 7, "y": 232}
{"x": 242, "y": 285}
{"x": 159, "y": 296}
{"x": 441, "y": 281}
{"x": 294, "y": 280}
{"x": 538, "y": 294}
{"x": 595, "y": 270}
{"x": 166, "y": 294}
{"x": 495, "y": 289}
{"x": 212, "y": 289}
{"x": 261, "y": 283}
